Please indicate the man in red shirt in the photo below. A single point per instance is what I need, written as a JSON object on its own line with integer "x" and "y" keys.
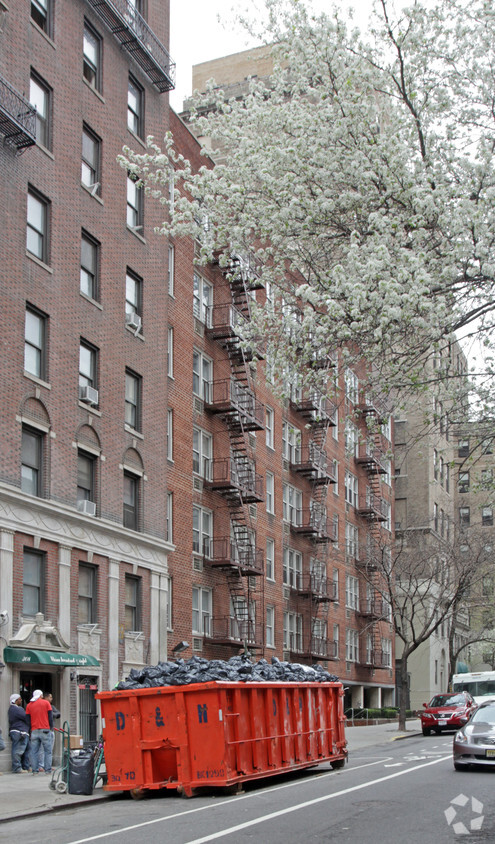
{"x": 40, "y": 711}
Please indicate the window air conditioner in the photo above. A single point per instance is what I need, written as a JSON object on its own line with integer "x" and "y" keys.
{"x": 88, "y": 394}
{"x": 87, "y": 507}
{"x": 133, "y": 320}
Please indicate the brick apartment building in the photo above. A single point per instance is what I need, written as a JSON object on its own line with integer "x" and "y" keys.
{"x": 152, "y": 489}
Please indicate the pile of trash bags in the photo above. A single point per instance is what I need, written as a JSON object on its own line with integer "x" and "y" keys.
{"x": 236, "y": 669}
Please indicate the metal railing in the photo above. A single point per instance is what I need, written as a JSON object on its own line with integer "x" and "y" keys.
{"x": 17, "y": 117}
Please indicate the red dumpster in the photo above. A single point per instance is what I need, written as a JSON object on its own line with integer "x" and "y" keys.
{"x": 219, "y": 733}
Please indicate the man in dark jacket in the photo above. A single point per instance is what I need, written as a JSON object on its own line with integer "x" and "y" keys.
{"x": 19, "y": 727}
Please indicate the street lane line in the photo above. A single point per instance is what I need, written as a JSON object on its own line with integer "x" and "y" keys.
{"x": 165, "y": 818}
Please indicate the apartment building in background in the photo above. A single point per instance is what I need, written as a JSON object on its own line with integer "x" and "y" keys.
{"x": 153, "y": 488}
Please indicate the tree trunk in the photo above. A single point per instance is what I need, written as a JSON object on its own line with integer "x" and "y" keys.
{"x": 404, "y": 689}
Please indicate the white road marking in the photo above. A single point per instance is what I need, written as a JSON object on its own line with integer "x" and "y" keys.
{"x": 263, "y": 818}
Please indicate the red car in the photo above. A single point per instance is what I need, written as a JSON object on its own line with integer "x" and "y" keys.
{"x": 447, "y": 712}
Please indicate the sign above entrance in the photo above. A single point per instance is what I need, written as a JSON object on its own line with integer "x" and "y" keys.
{"x": 55, "y": 658}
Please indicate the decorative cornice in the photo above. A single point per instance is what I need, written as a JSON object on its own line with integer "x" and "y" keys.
{"x": 64, "y": 526}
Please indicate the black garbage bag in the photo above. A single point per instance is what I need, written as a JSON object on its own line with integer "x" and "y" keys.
{"x": 81, "y": 771}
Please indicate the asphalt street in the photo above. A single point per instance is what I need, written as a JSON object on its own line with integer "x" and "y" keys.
{"x": 393, "y": 791}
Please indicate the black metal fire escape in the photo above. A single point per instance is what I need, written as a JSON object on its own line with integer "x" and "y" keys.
{"x": 235, "y": 477}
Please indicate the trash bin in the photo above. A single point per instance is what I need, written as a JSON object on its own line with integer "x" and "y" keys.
{"x": 219, "y": 734}
{"x": 81, "y": 771}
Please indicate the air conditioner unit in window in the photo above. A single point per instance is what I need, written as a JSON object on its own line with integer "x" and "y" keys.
{"x": 87, "y": 507}
{"x": 133, "y": 320}
{"x": 88, "y": 394}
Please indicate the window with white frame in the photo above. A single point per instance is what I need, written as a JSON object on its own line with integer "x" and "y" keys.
{"x": 351, "y": 489}
{"x": 170, "y": 434}
{"x": 291, "y": 443}
{"x": 351, "y": 438}
{"x": 387, "y": 511}
{"x": 40, "y": 95}
{"x": 171, "y": 270}
{"x": 269, "y": 427}
{"x": 351, "y": 541}
{"x": 270, "y": 627}
{"x": 369, "y": 648}
{"x": 202, "y": 453}
{"x": 170, "y": 352}
{"x": 37, "y": 231}
{"x": 135, "y": 107}
{"x": 270, "y": 559}
{"x": 270, "y": 493}
{"x": 202, "y": 299}
{"x": 334, "y": 419}
{"x": 336, "y": 639}
{"x": 335, "y": 474}
{"x": 135, "y": 203}
{"x": 386, "y": 428}
{"x": 202, "y": 530}
{"x": 387, "y": 475}
{"x": 351, "y": 592}
{"x": 335, "y": 529}
{"x": 293, "y": 631}
{"x": 351, "y": 645}
{"x": 202, "y": 375}
{"x": 387, "y": 652}
{"x": 92, "y": 57}
{"x": 201, "y": 610}
{"x": 335, "y": 582}
{"x": 35, "y": 332}
{"x": 351, "y": 386}
{"x": 170, "y": 513}
{"x": 133, "y": 294}
{"x": 292, "y": 568}
{"x": 292, "y": 504}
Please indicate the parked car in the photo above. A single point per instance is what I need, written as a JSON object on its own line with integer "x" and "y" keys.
{"x": 474, "y": 744}
{"x": 447, "y": 712}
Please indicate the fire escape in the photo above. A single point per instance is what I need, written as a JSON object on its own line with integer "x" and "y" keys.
{"x": 17, "y": 118}
{"x": 235, "y": 476}
{"x": 314, "y": 585}
{"x": 373, "y": 508}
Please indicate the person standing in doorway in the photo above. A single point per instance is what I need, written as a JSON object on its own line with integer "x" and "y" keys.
{"x": 40, "y": 712}
{"x": 19, "y": 727}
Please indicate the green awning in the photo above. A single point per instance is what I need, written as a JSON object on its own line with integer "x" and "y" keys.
{"x": 56, "y": 658}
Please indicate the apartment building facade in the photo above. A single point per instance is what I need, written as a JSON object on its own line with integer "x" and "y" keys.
{"x": 153, "y": 489}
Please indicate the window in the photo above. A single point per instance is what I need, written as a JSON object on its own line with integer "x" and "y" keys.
{"x": 41, "y": 14}
{"x": 351, "y": 592}
{"x": 387, "y": 512}
{"x": 292, "y": 504}
{"x": 31, "y": 462}
{"x": 35, "y": 343}
{"x": 270, "y": 627}
{"x": 351, "y": 541}
{"x": 351, "y": 386}
{"x": 463, "y": 448}
{"x": 170, "y": 434}
{"x": 292, "y": 568}
{"x": 90, "y": 163}
{"x": 134, "y": 203}
{"x": 351, "y": 438}
{"x": 202, "y": 375}
{"x": 202, "y": 453}
{"x": 132, "y": 606}
{"x": 335, "y": 474}
{"x": 169, "y": 604}
{"x": 487, "y": 516}
{"x": 270, "y": 493}
{"x": 92, "y": 57}
{"x": 135, "y": 107}
{"x": 435, "y": 516}
{"x": 435, "y": 464}
{"x": 463, "y": 481}
{"x": 335, "y": 583}
{"x": 40, "y": 98}
{"x": 201, "y": 610}
{"x": 269, "y": 426}
{"x": 88, "y": 366}
{"x": 293, "y": 631}
{"x": 87, "y": 594}
{"x": 86, "y": 464}
{"x": 202, "y": 299}
{"x": 464, "y": 516}
{"x": 171, "y": 270}
{"x": 133, "y": 400}
{"x": 202, "y": 530}
{"x": 351, "y": 489}
{"x": 131, "y": 501}
{"x": 352, "y": 646}
{"x": 88, "y": 283}
{"x": 37, "y": 225}
{"x": 291, "y": 443}
{"x": 487, "y": 478}
{"x": 170, "y": 352}
{"x": 387, "y": 652}
{"x": 270, "y": 559}
{"x": 33, "y": 578}
{"x": 170, "y": 513}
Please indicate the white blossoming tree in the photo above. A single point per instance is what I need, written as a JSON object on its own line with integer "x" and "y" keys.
{"x": 361, "y": 180}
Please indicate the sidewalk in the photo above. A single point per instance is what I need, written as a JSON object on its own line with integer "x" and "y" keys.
{"x": 24, "y": 794}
